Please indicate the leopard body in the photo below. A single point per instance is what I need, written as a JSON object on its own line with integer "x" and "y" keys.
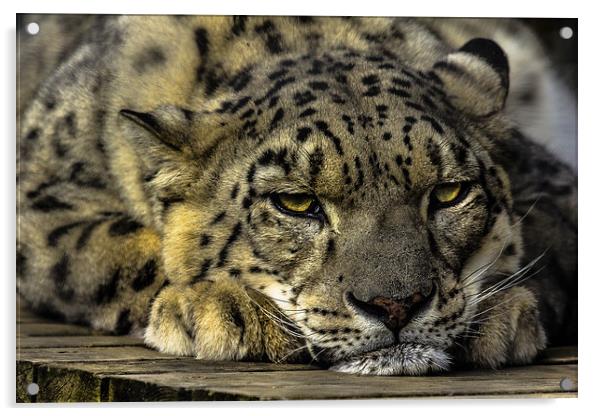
{"x": 152, "y": 152}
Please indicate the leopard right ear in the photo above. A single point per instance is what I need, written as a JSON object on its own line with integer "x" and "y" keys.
{"x": 475, "y": 77}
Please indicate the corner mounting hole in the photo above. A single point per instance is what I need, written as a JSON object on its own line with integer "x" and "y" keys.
{"x": 33, "y": 389}
{"x": 567, "y": 384}
{"x": 566, "y": 32}
{"x": 33, "y": 28}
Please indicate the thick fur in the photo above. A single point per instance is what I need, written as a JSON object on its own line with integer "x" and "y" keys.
{"x": 150, "y": 157}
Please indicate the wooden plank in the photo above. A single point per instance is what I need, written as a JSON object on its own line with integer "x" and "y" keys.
{"x": 563, "y": 395}
{"x": 51, "y": 330}
{"x": 89, "y": 381}
{"x": 52, "y": 355}
{"x": 558, "y": 355}
{"x": 77, "y": 341}
{"x": 120, "y": 390}
{"x": 25, "y": 376}
{"x": 178, "y": 365}
{"x": 189, "y": 379}
{"x": 67, "y": 385}
{"x": 33, "y": 319}
{"x": 123, "y": 390}
{"x": 192, "y": 384}
{"x": 26, "y": 317}
{"x": 322, "y": 384}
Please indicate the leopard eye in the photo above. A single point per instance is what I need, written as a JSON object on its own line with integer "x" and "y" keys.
{"x": 447, "y": 194}
{"x": 296, "y": 203}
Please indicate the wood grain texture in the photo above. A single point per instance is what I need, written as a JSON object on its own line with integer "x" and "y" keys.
{"x": 79, "y": 354}
{"x": 322, "y": 384}
{"x": 178, "y": 365}
{"x": 78, "y": 341}
{"x": 558, "y": 355}
{"x": 51, "y": 330}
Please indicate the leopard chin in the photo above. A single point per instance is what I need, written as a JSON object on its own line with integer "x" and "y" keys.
{"x": 409, "y": 359}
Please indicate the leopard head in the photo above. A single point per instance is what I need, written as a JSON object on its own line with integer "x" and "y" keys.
{"x": 356, "y": 192}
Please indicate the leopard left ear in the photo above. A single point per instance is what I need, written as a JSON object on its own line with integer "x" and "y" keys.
{"x": 475, "y": 77}
{"x": 167, "y": 125}
{"x": 170, "y": 130}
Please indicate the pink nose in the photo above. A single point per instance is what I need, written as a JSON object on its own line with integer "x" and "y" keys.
{"x": 398, "y": 312}
{"x": 394, "y": 313}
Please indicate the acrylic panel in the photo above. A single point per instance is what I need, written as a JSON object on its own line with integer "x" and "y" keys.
{"x": 279, "y": 208}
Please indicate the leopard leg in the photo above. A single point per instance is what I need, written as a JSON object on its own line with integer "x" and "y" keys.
{"x": 510, "y": 331}
{"x": 83, "y": 258}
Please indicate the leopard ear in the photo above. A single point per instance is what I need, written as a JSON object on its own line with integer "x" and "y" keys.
{"x": 172, "y": 133}
{"x": 475, "y": 77}
{"x": 169, "y": 124}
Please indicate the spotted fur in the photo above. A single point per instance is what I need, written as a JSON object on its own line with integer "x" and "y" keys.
{"x": 149, "y": 161}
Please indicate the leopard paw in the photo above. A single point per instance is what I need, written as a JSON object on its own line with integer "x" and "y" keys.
{"x": 217, "y": 321}
{"x": 511, "y": 332}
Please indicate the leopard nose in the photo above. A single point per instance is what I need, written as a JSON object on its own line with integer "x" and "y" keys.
{"x": 394, "y": 313}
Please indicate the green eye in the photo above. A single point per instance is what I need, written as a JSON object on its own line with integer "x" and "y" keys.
{"x": 447, "y": 193}
{"x": 296, "y": 203}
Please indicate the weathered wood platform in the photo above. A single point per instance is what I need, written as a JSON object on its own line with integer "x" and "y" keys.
{"x": 72, "y": 364}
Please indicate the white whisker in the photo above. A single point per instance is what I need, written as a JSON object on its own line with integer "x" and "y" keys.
{"x": 505, "y": 283}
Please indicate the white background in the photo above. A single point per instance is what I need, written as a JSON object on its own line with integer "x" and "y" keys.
{"x": 590, "y": 185}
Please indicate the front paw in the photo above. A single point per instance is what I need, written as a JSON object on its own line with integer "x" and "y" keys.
{"x": 509, "y": 333}
{"x": 217, "y": 321}
{"x": 210, "y": 320}
{"x": 167, "y": 331}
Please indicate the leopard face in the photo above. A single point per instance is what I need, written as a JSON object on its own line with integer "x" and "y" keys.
{"x": 353, "y": 191}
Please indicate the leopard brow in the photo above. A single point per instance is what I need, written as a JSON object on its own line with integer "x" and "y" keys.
{"x": 466, "y": 173}
{"x": 269, "y": 179}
